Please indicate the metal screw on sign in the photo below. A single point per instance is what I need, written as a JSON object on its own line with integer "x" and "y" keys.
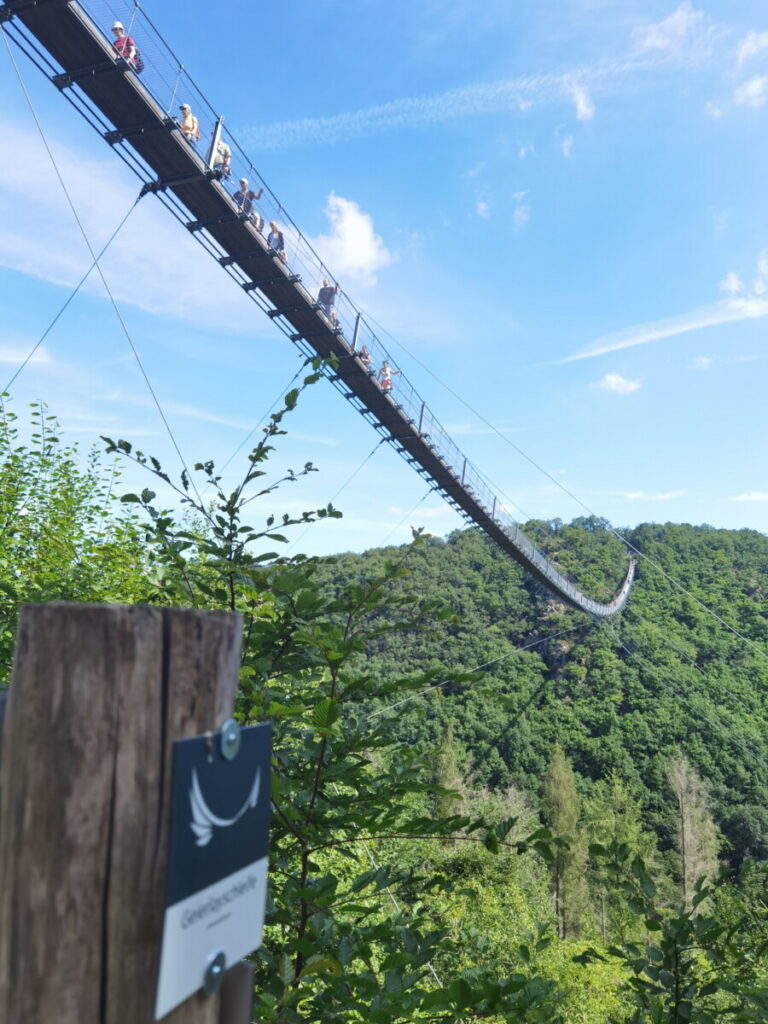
{"x": 230, "y": 739}
{"x": 214, "y": 973}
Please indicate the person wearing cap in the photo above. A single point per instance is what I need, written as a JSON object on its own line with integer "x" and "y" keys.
{"x": 244, "y": 199}
{"x": 189, "y": 124}
{"x": 122, "y": 44}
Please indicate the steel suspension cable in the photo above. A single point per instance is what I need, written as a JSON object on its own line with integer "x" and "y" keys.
{"x": 610, "y": 529}
{"x": 95, "y": 259}
{"x": 346, "y": 483}
{"x": 477, "y": 668}
{"x": 250, "y": 434}
{"x": 73, "y": 293}
{"x": 407, "y": 515}
{"x": 720, "y": 727}
{"x": 692, "y": 664}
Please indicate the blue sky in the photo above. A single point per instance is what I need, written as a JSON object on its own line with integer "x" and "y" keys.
{"x": 558, "y": 209}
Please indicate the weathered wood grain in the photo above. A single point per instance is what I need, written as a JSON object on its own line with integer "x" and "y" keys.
{"x": 97, "y": 697}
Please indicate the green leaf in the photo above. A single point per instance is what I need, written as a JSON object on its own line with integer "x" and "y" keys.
{"x": 326, "y": 713}
{"x": 321, "y": 964}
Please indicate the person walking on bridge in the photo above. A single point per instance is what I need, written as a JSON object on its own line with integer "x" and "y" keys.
{"x": 365, "y": 358}
{"x": 190, "y": 127}
{"x": 244, "y": 199}
{"x": 326, "y": 297}
{"x": 222, "y": 159}
{"x": 386, "y": 374}
{"x": 123, "y": 45}
{"x": 275, "y": 240}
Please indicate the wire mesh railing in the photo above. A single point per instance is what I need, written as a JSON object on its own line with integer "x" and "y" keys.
{"x": 163, "y": 76}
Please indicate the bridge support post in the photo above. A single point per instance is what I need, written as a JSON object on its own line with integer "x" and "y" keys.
{"x": 98, "y": 695}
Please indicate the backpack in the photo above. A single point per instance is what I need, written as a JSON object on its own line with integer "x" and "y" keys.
{"x": 138, "y": 62}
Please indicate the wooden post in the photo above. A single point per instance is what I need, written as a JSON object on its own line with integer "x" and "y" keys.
{"x": 97, "y": 697}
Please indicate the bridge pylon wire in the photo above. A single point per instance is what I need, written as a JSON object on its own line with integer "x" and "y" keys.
{"x": 720, "y": 727}
{"x": 253, "y": 430}
{"x": 96, "y": 263}
{"x": 343, "y": 487}
{"x": 617, "y": 533}
{"x": 72, "y": 295}
{"x": 407, "y": 515}
{"x": 478, "y": 668}
{"x": 691, "y": 664}
{"x": 440, "y": 453}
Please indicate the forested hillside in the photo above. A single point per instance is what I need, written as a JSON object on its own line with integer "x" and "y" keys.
{"x": 622, "y": 697}
{"x": 485, "y": 805}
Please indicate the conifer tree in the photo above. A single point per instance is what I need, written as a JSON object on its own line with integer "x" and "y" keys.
{"x": 697, "y": 834}
{"x": 447, "y": 774}
{"x": 613, "y": 814}
{"x": 561, "y": 807}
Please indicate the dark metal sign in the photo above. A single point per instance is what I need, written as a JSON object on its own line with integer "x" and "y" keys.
{"x": 217, "y": 871}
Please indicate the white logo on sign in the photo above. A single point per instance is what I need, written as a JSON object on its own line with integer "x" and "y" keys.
{"x": 204, "y": 820}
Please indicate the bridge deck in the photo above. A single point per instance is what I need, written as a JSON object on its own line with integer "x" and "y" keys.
{"x": 75, "y": 42}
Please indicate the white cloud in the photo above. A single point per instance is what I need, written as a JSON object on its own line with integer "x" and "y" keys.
{"x": 752, "y": 44}
{"x": 732, "y": 283}
{"x": 724, "y": 312}
{"x": 760, "y": 283}
{"x": 522, "y": 211}
{"x": 681, "y": 41}
{"x": 352, "y": 247}
{"x": 478, "y": 168}
{"x": 617, "y": 385}
{"x": 702, "y": 362}
{"x": 153, "y": 264}
{"x": 585, "y": 108}
{"x": 752, "y": 93}
{"x": 175, "y": 409}
{"x": 739, "y": 307}
{"x": 14, "y": 355}
{"x": 524, "y": 149}
{"x": 483, "y": 208}
{"x": 751, "y": 496}
{"x": 658, "y": 496}
{"x": 567, "y": 145}
{"x": 673, "y": 32}
{"x": 713, "y": 109}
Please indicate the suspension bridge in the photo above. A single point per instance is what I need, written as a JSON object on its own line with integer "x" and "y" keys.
{"x": 68, "y": 42}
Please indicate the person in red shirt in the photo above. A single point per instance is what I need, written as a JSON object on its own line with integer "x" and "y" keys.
{"x": 123, "y": 45}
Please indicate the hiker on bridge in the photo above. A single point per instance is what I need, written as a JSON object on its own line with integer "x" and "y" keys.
{"x": 123, "y": 45}
{"x": 244, "y": 199}
{"x": 386, "y": 374}
{"x": 275, "y": 240}
{"x": 222, "y": 159}
{"x": 326, "y": 297}
{"x": 190, "y": 126}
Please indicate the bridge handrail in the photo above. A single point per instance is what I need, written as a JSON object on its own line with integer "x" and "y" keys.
{"x": 169, "y": 84}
